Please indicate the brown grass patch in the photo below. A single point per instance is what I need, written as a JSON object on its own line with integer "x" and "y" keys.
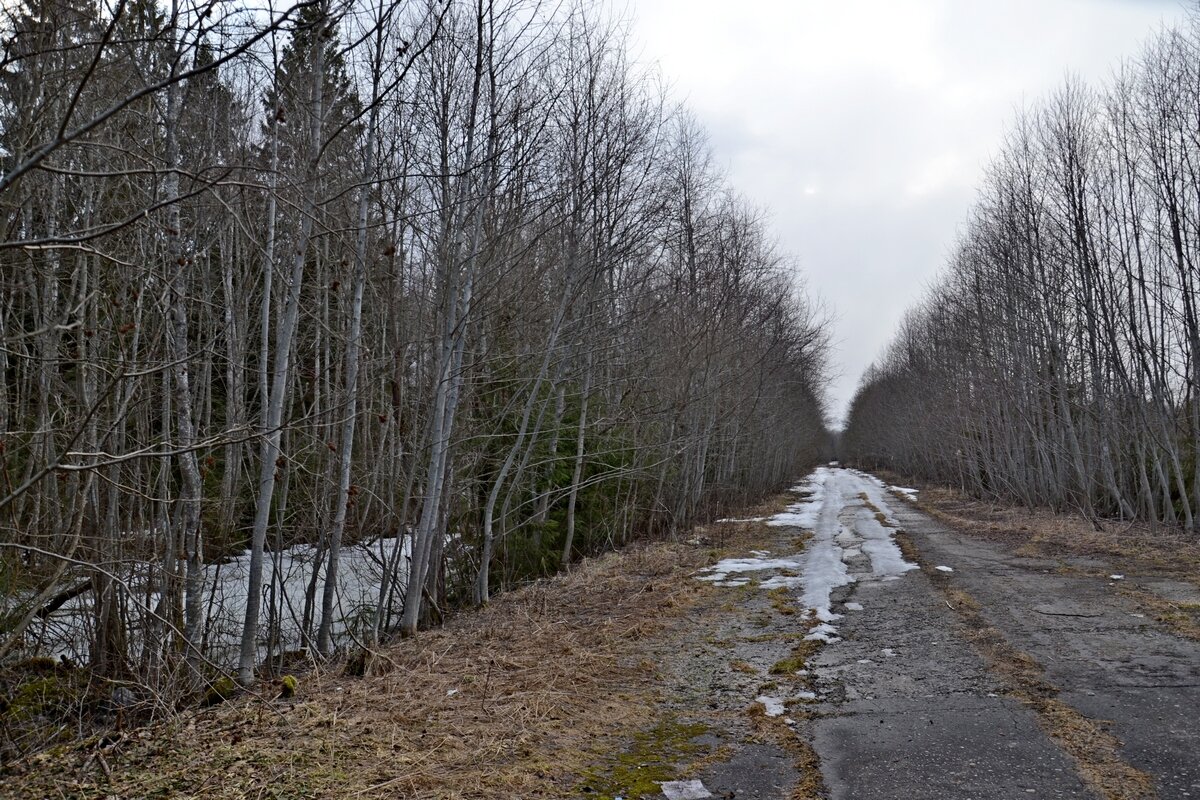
{"x": 880, "y": 517}
{"x": 1096, "y": 751}
{"x": 1042, "y": 532}
{"x": 512, "y": 701}
{"x": 781, "y": 601}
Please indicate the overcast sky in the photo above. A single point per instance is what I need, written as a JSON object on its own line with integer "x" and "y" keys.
{"x": 864, "y": 125}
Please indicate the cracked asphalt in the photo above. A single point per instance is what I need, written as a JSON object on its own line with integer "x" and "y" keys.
{"x": 1109, "y": 660}
{"x": 907, "y": 708}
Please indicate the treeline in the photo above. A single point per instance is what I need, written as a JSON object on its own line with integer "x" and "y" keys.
{"x": 453, "y": 275}
{"x": 1057, "y": 362}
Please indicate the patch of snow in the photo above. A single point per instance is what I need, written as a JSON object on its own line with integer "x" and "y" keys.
{"x": 772, "y": 705}
{"x": 782, "y": 582}
{"x": 742, "y": 519}
{"x": 905, "y": 492}
{"x": 889, "y": 652}
{"x": 804, "y": 513}
{"x": 1116, "y": 577}
{"x": 728, "y": 565}
{"x": 823, "y": 633}
{"x": 287, "y": 575}
{"x": 685, "y": 790}
{"x": 824, "y": 570}
{"x": 840, "y": 532}
{"x": 878, "y": 544}
{"x": 451, "y": 692}
{"x": 944, "y": 568}
{"x": 806, "y": 695}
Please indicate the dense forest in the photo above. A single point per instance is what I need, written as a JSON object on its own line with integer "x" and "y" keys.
{"x": 1057, "y": 360}
{"x": 318, "y": 321}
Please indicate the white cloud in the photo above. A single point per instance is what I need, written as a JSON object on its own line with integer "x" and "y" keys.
{"x": 865, "y": 126}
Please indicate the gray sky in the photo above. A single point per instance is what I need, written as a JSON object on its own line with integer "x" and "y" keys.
{"x": 864, "y": 125}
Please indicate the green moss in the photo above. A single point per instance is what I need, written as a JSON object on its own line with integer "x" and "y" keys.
{"x": 797, "y": 660}
{"x": 290, "y": 684}
{"x": 656, "y": 756}
{"x": 36, "y": 698}
{"x": 221, "y": 690}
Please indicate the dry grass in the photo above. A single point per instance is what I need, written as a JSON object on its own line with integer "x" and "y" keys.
{"x": 1043, "y": 532}
{"x": 512, "y": 701}
{"x": 1096, "y": 751}
{"x": 781, "y": 601}
{"x": 1182, "y": 619}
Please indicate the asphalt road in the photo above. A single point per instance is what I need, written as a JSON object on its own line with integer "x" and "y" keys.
{"x": 1109, "y": 660}
{"x": 908, "y": 708}
{"x": 909, "y": 699}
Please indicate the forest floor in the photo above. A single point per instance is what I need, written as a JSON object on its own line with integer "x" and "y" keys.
{"x": 1014, "y": 662}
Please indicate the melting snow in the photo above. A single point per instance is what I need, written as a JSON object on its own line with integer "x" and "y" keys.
{"x": 824, "y": 633}
{"x": 287, "y": 575}
{"x": 722, "y": 569}
{"x": 772, "y": 705}
{"x": 944, "y": 568}
{"x": 842, "y": 529}
{"x": 685, "y": 790}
